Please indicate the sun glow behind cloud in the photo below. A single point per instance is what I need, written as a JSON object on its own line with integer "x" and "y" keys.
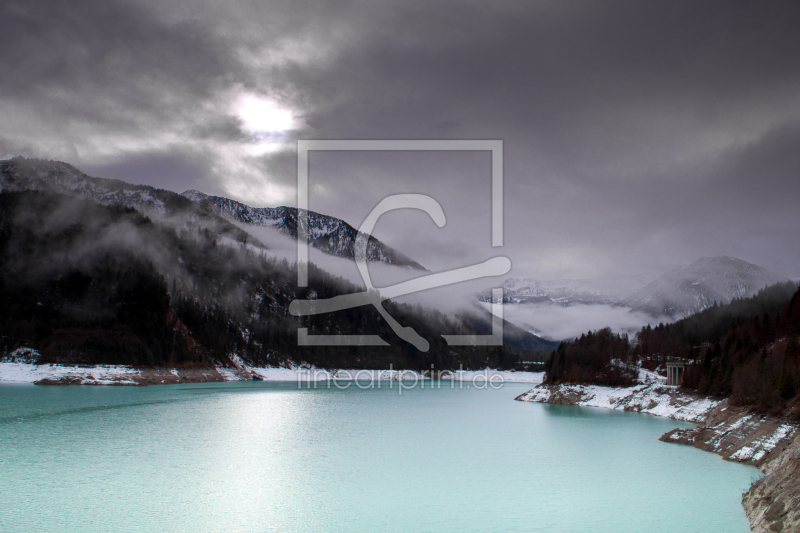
{"x": 261, "y": 115}
{"x": 240, "y": 163}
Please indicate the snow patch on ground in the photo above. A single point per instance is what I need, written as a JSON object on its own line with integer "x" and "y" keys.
{"x": 653, "y": 397}
{"x": 759, "y": 448}
{"x": 229, "y": 375}
{"x": 734, "y": 433}
{"x": 21, "y": 355}
{"x": 24, "y": 372}
{"x": 94, "y": 375}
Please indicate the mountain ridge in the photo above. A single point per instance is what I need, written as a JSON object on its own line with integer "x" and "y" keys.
{"x": 84, "y": 283}
{"x": 692, "y": 288}
{"x": 328, "y": 234}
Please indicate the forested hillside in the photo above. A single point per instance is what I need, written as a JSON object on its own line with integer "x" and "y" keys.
{"x": 747, "y": 349}
{"x": 600, "y": 357}
{"x": 88, "y": 284}
{"x": 328, "y": 234}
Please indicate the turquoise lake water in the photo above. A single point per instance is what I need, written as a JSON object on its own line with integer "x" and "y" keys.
{"x": 268, "y": 457}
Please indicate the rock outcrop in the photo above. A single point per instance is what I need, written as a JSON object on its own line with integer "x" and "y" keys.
{"x": 773, "y": 502}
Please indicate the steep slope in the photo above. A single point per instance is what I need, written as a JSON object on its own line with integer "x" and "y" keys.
{"x": 517, "y": 338}
{"x": 192, "y": 209}
{"x": 695, "y": 287}
{"x": 746, "y": 350}
{"x": 328, "y": 234}
{"x": 20, "y": 174}
{"x": 83, "y": 283}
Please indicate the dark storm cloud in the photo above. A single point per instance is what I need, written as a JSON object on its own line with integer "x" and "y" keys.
{"x": 102, "y": 84}
{"x": 764, "y": 174}
{"x": 10, "y": 146}
{"x": 225, "y": 128}
{"x": 615, "y": 116}
{"x": 638, "y": 135}
{"x": 167, "y": 170}
{"x": 550, "y": 72}
{"x": 103, "y": 60}
{"x": 756, "y": 189}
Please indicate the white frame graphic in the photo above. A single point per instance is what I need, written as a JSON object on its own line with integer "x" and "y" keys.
{"x": 304, "y": 146}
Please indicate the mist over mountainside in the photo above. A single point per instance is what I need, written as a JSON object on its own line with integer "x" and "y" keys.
{"x": 20, "y": 174}
{"x": 85, "y": 283}
{"x": 543, "y": 311}
{"x": 564, "y": 309}
{"x": 328, "y": 234}
{"x": 223, "y": 221}
{"x": 690, "y": 289}
{"x": 746, "y": 350}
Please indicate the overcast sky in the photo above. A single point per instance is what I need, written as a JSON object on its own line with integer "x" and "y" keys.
{"x": 638, "y": 136}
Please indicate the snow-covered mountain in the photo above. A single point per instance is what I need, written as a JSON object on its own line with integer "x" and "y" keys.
{"x": 21, "y": 174}
{"x": 558, "y": 309}
{"x": 606, "y": 290}
{"x": 328, "y": 234}
{"x": 105, "y": 285}
{"x": 695, "y": 287}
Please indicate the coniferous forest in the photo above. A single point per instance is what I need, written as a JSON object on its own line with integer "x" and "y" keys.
{"x": 747, "y": 350}
{"x": 89, "y": 284}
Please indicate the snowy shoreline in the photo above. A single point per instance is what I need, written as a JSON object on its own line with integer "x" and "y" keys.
{"x": 23, "y": 372}
{"x": 735, "y": 433}
{"x": 654, "y": 398}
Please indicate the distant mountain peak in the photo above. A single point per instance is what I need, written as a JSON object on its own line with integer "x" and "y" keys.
{"x": 194, "y": 195}
{"x": 721, "y": 260}
{"x": 694, "y": 287}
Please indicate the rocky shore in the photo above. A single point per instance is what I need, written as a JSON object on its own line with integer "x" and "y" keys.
{"x": 771, "y": 444}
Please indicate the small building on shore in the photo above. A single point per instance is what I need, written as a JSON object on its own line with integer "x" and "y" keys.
{"x": 675, "y": 373}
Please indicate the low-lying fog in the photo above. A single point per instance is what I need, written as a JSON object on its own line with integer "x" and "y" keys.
{"x": 556, "y": 322}
{"x": 547, "y": 320}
